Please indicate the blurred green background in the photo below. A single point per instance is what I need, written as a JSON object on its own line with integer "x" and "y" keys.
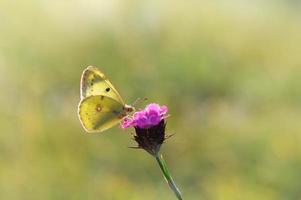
{"x": 229, "y": 71}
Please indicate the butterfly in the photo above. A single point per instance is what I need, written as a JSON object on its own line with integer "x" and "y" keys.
{"x": 101, "y": 106}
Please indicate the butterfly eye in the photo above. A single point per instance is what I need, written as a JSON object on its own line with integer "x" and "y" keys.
{"x": 107, "y": 89}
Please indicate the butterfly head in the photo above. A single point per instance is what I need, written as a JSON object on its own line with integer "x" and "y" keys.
{"x": 128, "y": 108}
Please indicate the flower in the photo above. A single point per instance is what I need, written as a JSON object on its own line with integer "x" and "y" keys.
{"x": 149, "y": 126}
{"x": 150, "y": 116}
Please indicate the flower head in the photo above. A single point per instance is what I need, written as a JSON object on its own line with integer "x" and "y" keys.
{"x": 149, "y": 126}
{"x": 151, "y": 115}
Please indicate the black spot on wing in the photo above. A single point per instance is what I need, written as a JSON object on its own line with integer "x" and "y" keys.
{"x": 107, "y": 89}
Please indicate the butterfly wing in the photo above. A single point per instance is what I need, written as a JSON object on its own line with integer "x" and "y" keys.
{"x": 94, "y": 82}
{"x": 98, "y": 113}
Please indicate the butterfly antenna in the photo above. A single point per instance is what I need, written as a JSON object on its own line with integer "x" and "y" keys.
{"x": 139, "y": 101}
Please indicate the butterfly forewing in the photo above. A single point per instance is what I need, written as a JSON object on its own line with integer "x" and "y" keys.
{"x": 98, "y": 113}
{"x": 94, "y": 82}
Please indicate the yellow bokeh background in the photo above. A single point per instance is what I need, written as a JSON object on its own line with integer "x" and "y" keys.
{"x": 229, "y": 71}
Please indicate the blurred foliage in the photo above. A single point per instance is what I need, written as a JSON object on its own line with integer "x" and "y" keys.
{"x": 230, "y": 72}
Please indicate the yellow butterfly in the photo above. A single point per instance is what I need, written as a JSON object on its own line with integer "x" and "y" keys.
{"x": 101, "y": 106}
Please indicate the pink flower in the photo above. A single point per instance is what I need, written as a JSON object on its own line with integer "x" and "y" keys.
{"x": 150, "y": 116}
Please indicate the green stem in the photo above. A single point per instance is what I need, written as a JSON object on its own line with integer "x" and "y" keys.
{"x": 167, "y": 176}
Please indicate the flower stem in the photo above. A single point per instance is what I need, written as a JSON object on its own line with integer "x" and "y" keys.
{"x": 167, "y": 176}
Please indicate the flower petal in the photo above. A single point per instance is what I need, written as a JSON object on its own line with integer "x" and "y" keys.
{"x": 127, "y": 122}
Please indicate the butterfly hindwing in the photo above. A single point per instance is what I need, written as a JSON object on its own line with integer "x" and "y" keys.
{"x": 94, "y": 82}
{"x": 98, "y": 113}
